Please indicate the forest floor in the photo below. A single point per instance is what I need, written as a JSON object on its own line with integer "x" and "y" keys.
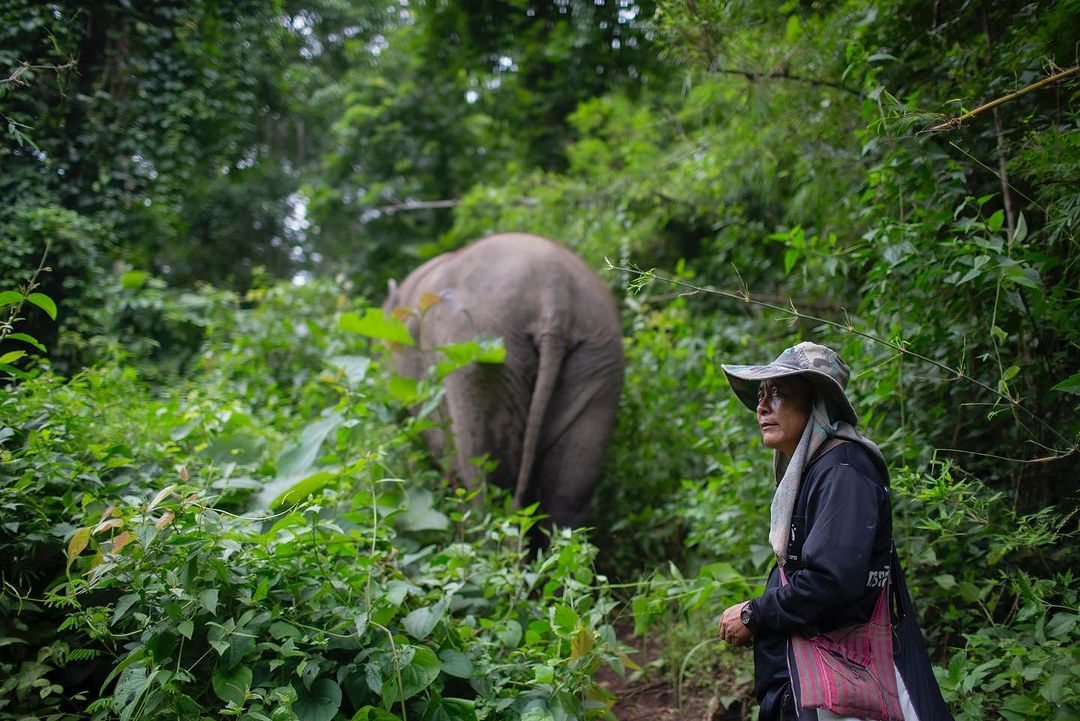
{"x": 654, "y": 696}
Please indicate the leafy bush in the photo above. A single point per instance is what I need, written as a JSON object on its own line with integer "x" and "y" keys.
{"x": 344, "y": 591}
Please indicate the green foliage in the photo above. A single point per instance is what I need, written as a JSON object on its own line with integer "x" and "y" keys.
{"x": 353, "y": 592}
{"x": 781, "y": 152}
{"x": 1002, "y": 592}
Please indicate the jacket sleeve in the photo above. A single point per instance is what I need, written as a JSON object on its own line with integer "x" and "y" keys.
{"x": 842, "y": 517}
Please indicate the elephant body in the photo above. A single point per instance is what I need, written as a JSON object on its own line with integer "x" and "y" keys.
{"x": 546, "y": 413}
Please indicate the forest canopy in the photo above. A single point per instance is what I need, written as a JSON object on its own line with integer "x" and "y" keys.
{"x": 212, "y": 498}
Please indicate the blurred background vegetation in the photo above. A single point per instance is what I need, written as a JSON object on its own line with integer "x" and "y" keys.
{"x": 213, "y": 185}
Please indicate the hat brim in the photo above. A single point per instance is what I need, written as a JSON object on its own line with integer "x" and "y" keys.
{"x": 744, "y": 380}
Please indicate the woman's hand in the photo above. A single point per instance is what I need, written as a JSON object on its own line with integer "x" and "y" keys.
{"x": 731, "y": 627}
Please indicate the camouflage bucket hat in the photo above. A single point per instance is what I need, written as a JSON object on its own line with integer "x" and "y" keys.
{"x": 820, "y": 365}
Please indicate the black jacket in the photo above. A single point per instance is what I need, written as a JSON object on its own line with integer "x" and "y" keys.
{"x": 839, "y": 558}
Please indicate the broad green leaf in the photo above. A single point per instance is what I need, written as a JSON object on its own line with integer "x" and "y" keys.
{"x": 450, "y": 709}
{"x": 1069, "y": 385}
{"x": 510, "y": 634}
{"x": 564, "y": 706}
{"x": 1057, "y": 686}
{"x": 422, "y": 621}
{"x": 130, "y": 689}
{"x": 303, "y": 488}
{"x": 793, "y": 29}
{"x": 565, "y": 618}
{"x": 181, "y": 432}
{"x": 44, "y": 302}
{"x": 28, "y": 339}
{"x": 1022, "y": 704}
{"x": 396, "y": 591}
{"x": 791, "y": 257}
{"x": 78, "y": 543}
{"x": 455, "y": 663}
{"x": 12, "y": 356}
{"x": 403, "y": 390}
{"x": 261, "y": 590}
{"x": 134, "y": 279}
{"x": 537, "y": 713}
{"x": 373, "y": 678}
{"x": 122, "y": 606}
{"x": 378, "y": 325}
{"x": 1021, "y": 229}
{"x": 10, "y": 297}
{"x": 128, "y": 661}
{"x": 355, "y": 367}
{"x": 232, "y": 686}
{"x": 281, "y": 630}
{"x": 208, "y": 599}
{"x": 321, "y": 703}
{"x": 300, "y": 456}
{"x": 420, "y": 672}
{"x": 186, "y": 629}
{"x": 970, "y": 275}
{"x": 1061, "y": 624}
{"x": 1020, "y": 275}
{"x": 373, "y": 713}
{"x": 459, "y": 355}
{"x": 996, "y": 220}
{"x": 542, "y": 673}
{"x": 722, "y": 572}
{"x": 421, "y": 515}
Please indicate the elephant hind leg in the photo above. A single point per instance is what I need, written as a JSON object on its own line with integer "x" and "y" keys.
{"x": 571, "y": 466}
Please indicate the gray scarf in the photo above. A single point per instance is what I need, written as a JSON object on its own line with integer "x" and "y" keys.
{"x": 789, "y": 473}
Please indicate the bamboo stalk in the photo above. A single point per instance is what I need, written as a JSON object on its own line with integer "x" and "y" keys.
{"x": 955, "y": 122}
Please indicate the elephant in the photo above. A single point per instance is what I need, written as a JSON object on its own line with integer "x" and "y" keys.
{"x": 546, "y": 413}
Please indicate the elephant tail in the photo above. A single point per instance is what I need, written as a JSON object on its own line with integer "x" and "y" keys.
{"x": 552, "y": 349}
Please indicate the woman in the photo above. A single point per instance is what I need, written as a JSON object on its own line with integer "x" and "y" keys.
{"x": 831, "y": 531}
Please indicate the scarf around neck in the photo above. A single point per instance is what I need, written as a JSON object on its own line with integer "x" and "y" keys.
{"x": 819, "y": 429}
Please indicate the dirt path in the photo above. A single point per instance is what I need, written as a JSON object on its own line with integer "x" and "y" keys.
{"x": 655, "y": 698}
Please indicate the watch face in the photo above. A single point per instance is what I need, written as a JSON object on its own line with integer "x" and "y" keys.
{"x": 746, "y": 616}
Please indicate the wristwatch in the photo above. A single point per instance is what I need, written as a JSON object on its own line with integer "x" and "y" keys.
{"x": 747, "y": 616}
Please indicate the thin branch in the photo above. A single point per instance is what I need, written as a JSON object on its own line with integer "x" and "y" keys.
{"x": 783, "y": 74}
{"x": 411, "y": 205}
{"x": 1003, "y": 171}
{"x": 955, "y": 122}
{"x": 1044, "y": 459}
{"x": 824, "y": 305}
{"x": 995, "y": 172}
{"x": 24, "y": 66}
{"x": 644, "y": 276}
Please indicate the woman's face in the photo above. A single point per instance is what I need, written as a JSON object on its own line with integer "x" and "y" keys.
{"x": 782, "y": 412}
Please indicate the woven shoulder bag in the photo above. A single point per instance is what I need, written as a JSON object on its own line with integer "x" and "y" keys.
{"x": 849, "y": 671}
